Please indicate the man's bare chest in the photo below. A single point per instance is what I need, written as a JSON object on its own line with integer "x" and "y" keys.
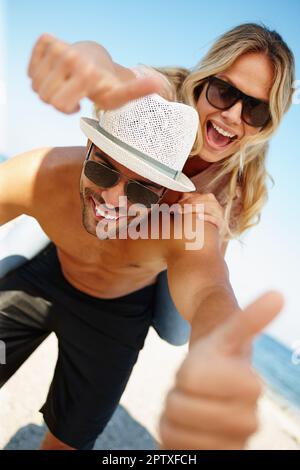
{"x": 89, "y": 262}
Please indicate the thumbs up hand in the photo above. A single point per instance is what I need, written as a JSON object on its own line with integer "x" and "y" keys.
{"x": 213, "y": 402}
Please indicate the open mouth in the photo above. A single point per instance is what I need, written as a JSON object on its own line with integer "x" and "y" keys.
{"x": 218, "y": 137}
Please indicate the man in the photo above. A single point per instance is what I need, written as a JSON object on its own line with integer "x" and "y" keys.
{"x": 96, "y": 294}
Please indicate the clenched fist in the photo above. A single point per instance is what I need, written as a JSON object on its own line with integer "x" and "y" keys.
{"x": 213, "y": 402}
{"x": 63, "y": 74}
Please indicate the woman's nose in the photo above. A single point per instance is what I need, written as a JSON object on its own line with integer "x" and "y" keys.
{"x": 112, "y": 195}
{"x": 234, "y": 114}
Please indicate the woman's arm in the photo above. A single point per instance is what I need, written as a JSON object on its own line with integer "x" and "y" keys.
{"x": 62, "y": 74}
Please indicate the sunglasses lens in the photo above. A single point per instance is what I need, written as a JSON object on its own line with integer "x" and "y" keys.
{"x": 256, "y": 113}
{"x": 220, "y": 94}
{"x": 100, "y": 174}
{"x": 138, "y": 194}
{"x": 105, "y": 177}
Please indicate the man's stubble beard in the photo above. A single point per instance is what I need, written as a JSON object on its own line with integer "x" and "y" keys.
{"x": 88, "y": 225}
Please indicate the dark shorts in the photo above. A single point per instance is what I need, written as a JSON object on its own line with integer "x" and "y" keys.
{"x": 99, "y": 343}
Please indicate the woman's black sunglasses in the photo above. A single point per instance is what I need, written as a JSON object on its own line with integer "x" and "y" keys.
{"x": 106, "y": 177}
{"x": 223, "y": 95}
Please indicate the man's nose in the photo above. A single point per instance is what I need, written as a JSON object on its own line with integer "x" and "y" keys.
{"x": 111, "y": 195}
{"x": 234, "y": 114}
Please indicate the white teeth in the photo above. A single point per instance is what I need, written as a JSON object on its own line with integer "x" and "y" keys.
{"x": 100, "y": 212}
{"x": 103, "y": 214}
{"x": 221, "y": 131}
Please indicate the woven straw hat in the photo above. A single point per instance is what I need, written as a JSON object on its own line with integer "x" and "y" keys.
{"x": 150, "y": 136}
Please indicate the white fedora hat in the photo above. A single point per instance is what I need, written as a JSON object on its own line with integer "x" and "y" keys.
{"x": 151, "y": 136}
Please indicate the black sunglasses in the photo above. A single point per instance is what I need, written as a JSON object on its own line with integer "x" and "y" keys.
{"x": 223, "y": 95}
{"x": 105, "y": 177}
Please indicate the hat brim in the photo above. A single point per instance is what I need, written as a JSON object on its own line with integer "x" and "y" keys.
{"x": 91, "y": 129}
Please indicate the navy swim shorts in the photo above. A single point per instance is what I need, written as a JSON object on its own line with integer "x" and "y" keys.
{"x": 99, "y": 343}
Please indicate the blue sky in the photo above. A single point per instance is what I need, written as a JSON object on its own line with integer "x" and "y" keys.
{"x": 165, "y": 32}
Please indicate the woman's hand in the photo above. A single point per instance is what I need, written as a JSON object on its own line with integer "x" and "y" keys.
{"x": 63, "y": 74}
{"x": 213, "y": 211}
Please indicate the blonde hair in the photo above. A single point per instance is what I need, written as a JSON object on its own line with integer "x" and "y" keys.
{"x": 187, "y": 85}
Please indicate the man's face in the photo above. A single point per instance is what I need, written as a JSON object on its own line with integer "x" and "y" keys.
{"x": 108, "y": 204}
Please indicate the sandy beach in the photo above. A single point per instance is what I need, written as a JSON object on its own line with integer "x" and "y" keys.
{"x": 134, "y": 424}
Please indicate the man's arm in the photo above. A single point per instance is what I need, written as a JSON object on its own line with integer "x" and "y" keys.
{"x": 213, "y": 402}
{"x": 17, "y": 184}
{"x": 26, "y": 180}
{"x": 199, "y": 283}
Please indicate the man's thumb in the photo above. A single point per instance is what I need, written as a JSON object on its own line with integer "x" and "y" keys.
{"x": 241, "y": 328}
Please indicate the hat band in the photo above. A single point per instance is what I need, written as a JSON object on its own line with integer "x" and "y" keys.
{"x": 163, "y": 168}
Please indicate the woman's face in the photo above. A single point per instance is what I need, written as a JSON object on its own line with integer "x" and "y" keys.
{"x": 251, "y": 73}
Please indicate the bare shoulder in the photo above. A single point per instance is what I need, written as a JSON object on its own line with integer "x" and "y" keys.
{"x": 59, "y": 160}
{"x": 28, "y": 177}
{"x": 35, "y": 163}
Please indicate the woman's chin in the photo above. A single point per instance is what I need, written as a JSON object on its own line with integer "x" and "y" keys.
{"x": 209, "y": 156}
